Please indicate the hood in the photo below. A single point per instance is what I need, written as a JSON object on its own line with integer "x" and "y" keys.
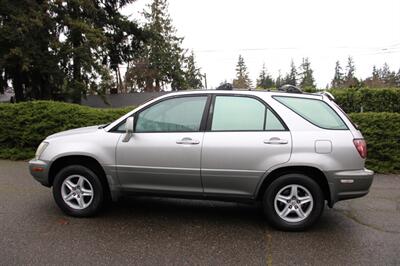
{"x": 76, "y": 131}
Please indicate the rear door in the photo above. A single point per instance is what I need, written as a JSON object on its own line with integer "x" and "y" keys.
{"x": 244, "y": 138}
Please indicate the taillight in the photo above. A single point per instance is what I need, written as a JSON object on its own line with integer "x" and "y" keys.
{"x": 361, "y": 147}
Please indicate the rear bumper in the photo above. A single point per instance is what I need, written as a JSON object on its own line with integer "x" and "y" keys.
{"x": 349, "y": 184}
{"x": 39, "y": 169}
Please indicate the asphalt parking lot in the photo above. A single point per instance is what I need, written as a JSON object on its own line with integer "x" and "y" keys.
{"x": 153, "y": 231}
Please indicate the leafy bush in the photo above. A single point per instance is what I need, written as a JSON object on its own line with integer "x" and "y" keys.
{"x": 24, "y": 125}
{"x": 370, "y": 100}
{"x": 382, "y": 133}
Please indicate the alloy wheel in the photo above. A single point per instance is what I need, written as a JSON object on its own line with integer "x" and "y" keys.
{"x": 293, "y": 203}
{"x": 77, "y": 192}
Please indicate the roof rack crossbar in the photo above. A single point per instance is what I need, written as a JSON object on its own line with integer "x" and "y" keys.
{"x": 290, "y": 89}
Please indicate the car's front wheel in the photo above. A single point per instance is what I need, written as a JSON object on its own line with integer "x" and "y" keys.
{"x": 78, "y": 191}
{"x": 293, "y": 202}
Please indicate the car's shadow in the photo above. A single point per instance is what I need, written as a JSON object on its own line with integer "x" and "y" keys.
{"x": 172, "y": 210}
{"x": 179, "y": 228}
{"x": 183, "y": 209}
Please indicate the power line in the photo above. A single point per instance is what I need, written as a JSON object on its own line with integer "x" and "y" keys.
{"x": 383, "y": 48}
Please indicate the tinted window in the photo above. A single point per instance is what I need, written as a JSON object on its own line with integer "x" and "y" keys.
{"x": 272, "y": 122}
{"x": 173, "y": 115}
{"x": 315, "y": 111}
{"x": 237, "y": 113}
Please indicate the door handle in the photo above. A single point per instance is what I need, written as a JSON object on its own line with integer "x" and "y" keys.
{"x": 188, "y": 141}
{"x": 275, "y": 140}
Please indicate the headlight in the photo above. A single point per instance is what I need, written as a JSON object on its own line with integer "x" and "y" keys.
{"x": 41, "y": 149}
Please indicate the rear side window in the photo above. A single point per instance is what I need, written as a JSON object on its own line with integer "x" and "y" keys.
{"x": 348, "y": 117}
{"x": 237, "y": 113}
{"x": 315, "y": 111}
{"x": 240, "y": 113}
{"x": 272, "y": 123}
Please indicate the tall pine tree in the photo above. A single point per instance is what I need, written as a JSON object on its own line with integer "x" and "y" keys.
{"x": 307, "y": 80}
{"x": 28, "y": 55}
{"x": 383, "y": 77}
{"x": 161, "y": 62}
{"x": 350, "y": 81}
{"x": 62, "y": 49}
{"x": 338, "y": 78}
{"x": 388, "y": 77}
{"x": 291, "y": 77}
{"x": 279, "y": 80}
{"x": 397, "y": 79}
{"x": 293, "y": 74}
{"x": 98, "y": 37}
{"x": 193, "y": 75}
{"x": 264, "y": 80}
{"x": 242, "y": 80}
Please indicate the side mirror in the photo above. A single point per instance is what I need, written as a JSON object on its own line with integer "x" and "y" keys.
{"x": 128, "y": 129}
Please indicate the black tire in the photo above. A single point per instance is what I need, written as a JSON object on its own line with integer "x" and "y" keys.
{"x": 293, "y": 179}
{"x": 98, "y": 191}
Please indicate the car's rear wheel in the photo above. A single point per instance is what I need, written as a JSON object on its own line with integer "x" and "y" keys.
{"x": 78, "y": 191}
{"x": 293, "y": 202}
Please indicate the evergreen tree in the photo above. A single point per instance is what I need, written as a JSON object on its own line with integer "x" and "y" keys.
{"x": 387, "y": 76}
{"x": 28, "y": 43}
{"x": 375, "y": 73}
{"x": 350, "y": 80}
{"x": 375, "y": 80}
{"x": 162, "y": 59}
{"x": 397, "y": 79}
{"x": 279, "y": 81}
{"x": 286, "y": 79}
{"x": 291, "y": 78}
{"x": 242, "y": 80}
{"x": 306, "y": 74}
{"x": 193, "y": 75}
{"x": 350, "y": 68}
{"x": 98, "y": 37}
{"x": 384, "y": 72}
{"x": 338, "y": 78}
{"x": 123, "y": 40}
{"x": 62, "y": 49}
{"x": 264, "y": 80}
{"x": 382, "y": 77}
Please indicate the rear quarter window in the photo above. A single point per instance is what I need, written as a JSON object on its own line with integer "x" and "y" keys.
{"x": 314, "y": 111}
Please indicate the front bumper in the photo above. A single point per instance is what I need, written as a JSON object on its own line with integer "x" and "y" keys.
{"x": 349, "y": 184}
{"x": 39, "y": 169}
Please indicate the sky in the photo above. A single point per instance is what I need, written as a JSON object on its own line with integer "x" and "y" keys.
{"x": 275, "y": 32}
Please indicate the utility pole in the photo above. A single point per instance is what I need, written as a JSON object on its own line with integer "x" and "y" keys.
{"x": 205, "y": 80}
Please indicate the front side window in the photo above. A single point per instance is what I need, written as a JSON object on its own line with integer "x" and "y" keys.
{"x": 315, "y": 111}
{"x": 182, "y": 114}
{"x": 237, "y": 113}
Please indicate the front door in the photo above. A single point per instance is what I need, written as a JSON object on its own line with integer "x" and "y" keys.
{"x": 164, "y": 151}
{"x": 244, "y": 139}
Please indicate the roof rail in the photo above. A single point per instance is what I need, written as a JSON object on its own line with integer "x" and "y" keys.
{"x": 290, "y": 88}
{"x": 328, "y": 95}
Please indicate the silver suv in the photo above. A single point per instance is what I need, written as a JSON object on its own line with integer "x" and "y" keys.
{"x": 292, "y": 152}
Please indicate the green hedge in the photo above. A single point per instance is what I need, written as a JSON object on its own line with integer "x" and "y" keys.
{"x": 382, "y": 133}
{"x": 370, "y": 100}
{"x": 24, "y": 125}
